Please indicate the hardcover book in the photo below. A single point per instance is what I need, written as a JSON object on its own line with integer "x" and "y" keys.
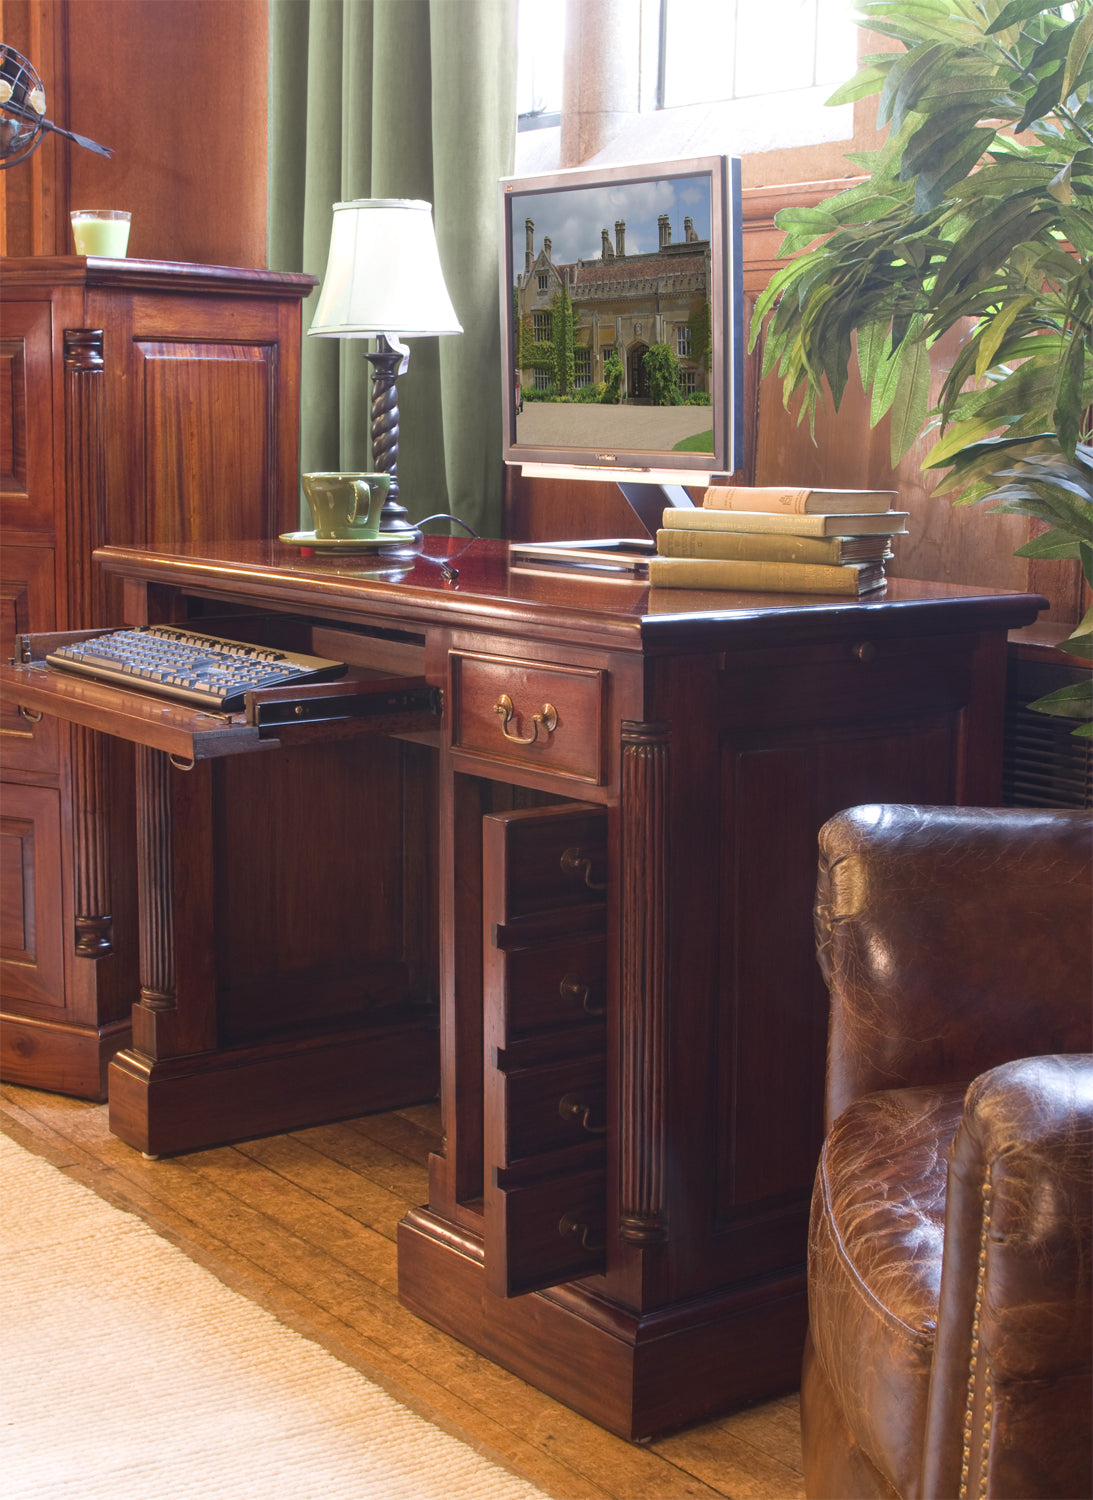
{"x": 768, "y": 577}
{"x": 886, "y": 523}
{"x": 771, "y": 546}
{"x": 788, "y": 500}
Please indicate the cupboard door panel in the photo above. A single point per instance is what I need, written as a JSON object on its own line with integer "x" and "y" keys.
{"x": 26, "y": 605}
{"x": 30, "y": 898}
{"x": 209, "y": 435}
{"x": 26, "y": 417}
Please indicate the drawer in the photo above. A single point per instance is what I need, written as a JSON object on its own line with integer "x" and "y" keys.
{"x": 552, "y": 1107}
{"x": 546, "y": 872}
{"x": 546, "y": 1231}
{"x": 535, "y": 715}
{"x": 547, "y": 986}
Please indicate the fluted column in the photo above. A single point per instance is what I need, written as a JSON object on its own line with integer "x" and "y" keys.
{"x": 155, "y": 861}
{"x": 644, "y": 983}
{"x": 85, "y": 490}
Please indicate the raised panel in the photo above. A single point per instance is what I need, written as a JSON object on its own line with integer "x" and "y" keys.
{"x": 773, "y": 1004}
{"x": 209, "y": 436}
{"x": 26, "y": 417}
{"x": 26, "y": 604}
{"x": 30, "y": 899}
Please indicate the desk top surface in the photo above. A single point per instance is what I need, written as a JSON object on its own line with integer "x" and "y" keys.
{"x": 494, "y": 592}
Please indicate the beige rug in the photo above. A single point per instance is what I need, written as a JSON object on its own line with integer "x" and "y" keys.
{"x": 131, "y": 1373}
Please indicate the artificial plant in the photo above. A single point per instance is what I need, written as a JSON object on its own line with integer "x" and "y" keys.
{"x": 976, "y": 213}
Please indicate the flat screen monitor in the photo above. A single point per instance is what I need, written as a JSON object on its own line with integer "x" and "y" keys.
{"x": 621, "y": 312}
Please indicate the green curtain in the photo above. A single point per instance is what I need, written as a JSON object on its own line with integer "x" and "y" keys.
{"x": 400, "y": 99}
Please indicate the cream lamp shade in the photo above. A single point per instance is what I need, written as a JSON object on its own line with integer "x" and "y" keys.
{"x": 383, "y": 273}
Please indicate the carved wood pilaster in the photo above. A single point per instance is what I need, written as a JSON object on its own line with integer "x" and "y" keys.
{"x": 85, "y": 469}
{"x": 155, "y": 850}
{"x": 85, "y": 489}
{"x": 644, "y": 983}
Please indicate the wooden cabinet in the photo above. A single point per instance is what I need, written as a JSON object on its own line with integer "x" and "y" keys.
{"x": 144, "y": 402}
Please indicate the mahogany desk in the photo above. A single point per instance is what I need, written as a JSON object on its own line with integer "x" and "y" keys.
{"x": 586, "y": 855}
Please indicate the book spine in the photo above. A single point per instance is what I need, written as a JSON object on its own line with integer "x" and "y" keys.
{"x": 790, "y": 502}
{"x": 773, "y": 577}
{"x": 763, "y": 546}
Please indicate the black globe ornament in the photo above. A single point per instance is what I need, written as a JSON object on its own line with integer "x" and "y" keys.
{"x": 23, "y": 122}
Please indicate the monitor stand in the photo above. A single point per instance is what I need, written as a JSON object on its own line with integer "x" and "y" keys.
{"x": 649, "y": 501}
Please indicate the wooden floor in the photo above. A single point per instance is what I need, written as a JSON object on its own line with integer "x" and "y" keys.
{"x": 304, "y": 1224}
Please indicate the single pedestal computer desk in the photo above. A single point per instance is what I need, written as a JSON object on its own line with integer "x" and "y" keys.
{"x": 548, "y": 849}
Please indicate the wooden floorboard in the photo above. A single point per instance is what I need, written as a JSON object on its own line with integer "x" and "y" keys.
{"x": 304, "y": 1224}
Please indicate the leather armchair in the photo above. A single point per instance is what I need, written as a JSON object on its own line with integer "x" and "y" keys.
{"x": 949, "y": 1344}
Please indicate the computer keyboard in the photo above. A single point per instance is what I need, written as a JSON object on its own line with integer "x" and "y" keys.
{"x": 188, "y": 666}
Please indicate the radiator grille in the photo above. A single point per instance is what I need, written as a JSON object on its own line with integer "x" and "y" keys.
{"x": 1045, "y": 764}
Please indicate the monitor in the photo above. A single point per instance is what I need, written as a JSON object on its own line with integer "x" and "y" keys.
{"x": 621, "y": 318}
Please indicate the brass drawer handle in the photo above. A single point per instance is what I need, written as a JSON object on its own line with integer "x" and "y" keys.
{"x": 547, "y": 717}
{"x": 575, "y": 863}
{"x": 574, "y": 988}
{"x": 571, "y": 1228}
{"x": 573, "y": 1107}
{"x": 30, "y": 716}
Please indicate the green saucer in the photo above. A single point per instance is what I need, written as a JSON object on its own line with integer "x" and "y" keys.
{"x": 340, "y": 543}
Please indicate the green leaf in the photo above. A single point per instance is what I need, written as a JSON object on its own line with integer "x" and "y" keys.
{"x": 912, "y": 398}
{"x": 1075, "y": 701}
{"x": 1077, "y": 57}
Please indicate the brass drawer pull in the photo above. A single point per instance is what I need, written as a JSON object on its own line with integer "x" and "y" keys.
{"x": 30, "y": 716}
{"x": 573, "y": 1107}
{"x": 547, "y": 717}
{"x": 571, "y": 1228}
{"x": 573, "y": 988}
{"x": 575, "y": 863}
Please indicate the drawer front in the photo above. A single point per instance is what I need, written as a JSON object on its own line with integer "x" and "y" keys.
{"x": 550, "y": 1231}
{"x": 547, "y": 869}
{"x": 550, "y": 718}
{"x": 553, "y": 1107}
{"x": 546, "y": 986}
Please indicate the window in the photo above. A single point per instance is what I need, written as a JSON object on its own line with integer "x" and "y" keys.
{"x": 544, "y": 281}
{"x": 683, "y": 341}
{"x": 582, "y": 367}
{"x": 541, "y": 327}
{"x": 542, "y": 380}
{"x": 660, "y": 79}
{"x": 740, "y": 49}
{"x": 687, "y": 382}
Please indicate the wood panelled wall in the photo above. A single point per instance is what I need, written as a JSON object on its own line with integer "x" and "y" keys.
{"x": 178, "y": 89}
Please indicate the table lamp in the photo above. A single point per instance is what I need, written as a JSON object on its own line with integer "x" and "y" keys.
{"x": 383, "y": 281}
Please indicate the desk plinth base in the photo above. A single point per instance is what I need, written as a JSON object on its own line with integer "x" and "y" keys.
{"x": 636, "y": 1375}
{"x": 60, "y": 1058}
{"x": 191, "y": 1103}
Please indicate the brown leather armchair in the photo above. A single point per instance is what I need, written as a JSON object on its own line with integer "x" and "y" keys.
{"x": 949, "y": 1346}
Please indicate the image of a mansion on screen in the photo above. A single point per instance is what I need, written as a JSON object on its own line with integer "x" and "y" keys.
{"x": 618, "y": 303}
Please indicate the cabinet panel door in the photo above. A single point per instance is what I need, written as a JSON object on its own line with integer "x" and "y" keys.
{"x": 26, "y": 417}
{"x": 30, "y": 899}
{"x": 209, "y": 439}
{"x": 545, "y": 1073}
{"x": 26, "y": 605}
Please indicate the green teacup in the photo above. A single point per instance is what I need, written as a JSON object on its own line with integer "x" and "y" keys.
{"x": 346, "y": 506}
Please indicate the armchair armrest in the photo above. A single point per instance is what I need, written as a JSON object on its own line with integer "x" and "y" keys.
{"x": 952, "y": 939}
{"x": 1011, "y": 1388}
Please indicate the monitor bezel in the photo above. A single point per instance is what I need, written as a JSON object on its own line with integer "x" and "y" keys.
{"x": 726, "y": 305}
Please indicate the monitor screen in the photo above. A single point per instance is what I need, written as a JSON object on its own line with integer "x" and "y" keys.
{"x": 621, "y": 310}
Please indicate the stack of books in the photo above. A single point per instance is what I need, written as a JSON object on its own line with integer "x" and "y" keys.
{"x": 797, "y": 541}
